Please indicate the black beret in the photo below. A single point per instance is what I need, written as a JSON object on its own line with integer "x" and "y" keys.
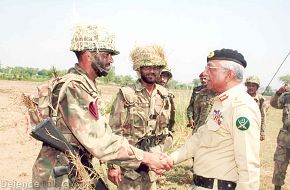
{"x": 227, "y": 54}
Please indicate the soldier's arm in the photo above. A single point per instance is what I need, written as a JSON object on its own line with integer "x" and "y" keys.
{"x": 263, "y": 117}
{"x": 245, "y": 129}
{"x": 274, "y": 101}
{"x": 118, "y": 114}
{"x": 94, "y": 133}
{"x": 277, "y": 100}
{"x": 172, "y": 114}
{"x": 188, "y": 149}
{"x": 189, "y": 109}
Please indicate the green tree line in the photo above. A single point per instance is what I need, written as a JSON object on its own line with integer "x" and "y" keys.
{"x": 36, "y": 74}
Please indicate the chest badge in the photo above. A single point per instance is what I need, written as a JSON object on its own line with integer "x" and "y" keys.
{"x": 243, "y": 123}
{"x": 217, "y": 116}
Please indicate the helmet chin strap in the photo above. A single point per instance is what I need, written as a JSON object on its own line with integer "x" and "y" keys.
{"x": 100, "y": 70}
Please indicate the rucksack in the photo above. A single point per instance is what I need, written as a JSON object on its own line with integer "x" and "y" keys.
{"x": 39, "y": 105}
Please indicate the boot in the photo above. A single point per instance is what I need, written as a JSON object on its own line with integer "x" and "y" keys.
{"x": 277, "y": 187}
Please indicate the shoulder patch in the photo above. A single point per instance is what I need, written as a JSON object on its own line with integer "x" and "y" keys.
{"x": 243, "y": 123}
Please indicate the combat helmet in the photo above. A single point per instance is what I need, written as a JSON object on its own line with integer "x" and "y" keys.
{"x": 93, "y": 38}
{"x": 253, "y": 79}
{"x": 167, "y": 71}
{"x": 150, "y": 55}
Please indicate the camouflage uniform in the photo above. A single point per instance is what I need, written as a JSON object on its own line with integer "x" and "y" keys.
{"x": 282, "y": 154}
{"x": 80, "y": 118}
{"x": 261, "y": 101}
{"x": 137, "y": 115}
{"x": 200, "y": 106}
{"x": 167, "y": 71}
{"x": 172, "y": 112}
{"x": 190, "y": 108}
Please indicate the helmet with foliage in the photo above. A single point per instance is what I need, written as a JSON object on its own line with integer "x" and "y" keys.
{"x": 166, "y": 71}
{"x": 150, "y": 55}
{"x": 253, "y": 79}
{"x": 93, "y": 38}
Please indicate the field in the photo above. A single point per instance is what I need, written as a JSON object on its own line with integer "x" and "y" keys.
{"x": 19, "y": 151}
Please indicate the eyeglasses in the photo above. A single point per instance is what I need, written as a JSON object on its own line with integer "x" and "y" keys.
{"x": 211, "y": 67}
{"x": 207, "y": 67}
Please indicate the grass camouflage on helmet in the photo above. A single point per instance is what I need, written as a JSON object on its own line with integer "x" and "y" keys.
{"x": 150, "y": 55}
{"x": 93, "y": 38}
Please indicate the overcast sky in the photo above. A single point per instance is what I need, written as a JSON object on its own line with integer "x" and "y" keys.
{"x": 37, "y": 33}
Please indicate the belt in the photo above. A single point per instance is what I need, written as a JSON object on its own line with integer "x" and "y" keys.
{"x": 208, "y": 183}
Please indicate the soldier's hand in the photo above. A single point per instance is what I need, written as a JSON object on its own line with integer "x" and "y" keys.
{"x": 283, "y": 89}
{"x": 262, "y": 137}
{"x": 114, "y": 174}
{"x": 158, "y": 162}
{"x": 190, "y": 124}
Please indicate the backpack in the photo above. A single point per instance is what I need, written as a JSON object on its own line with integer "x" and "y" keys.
{"x": 40, "y": 106}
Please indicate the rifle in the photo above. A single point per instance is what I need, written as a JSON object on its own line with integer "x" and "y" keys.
{"x": 150, "y": 141}
{"x": 48, "y": 133}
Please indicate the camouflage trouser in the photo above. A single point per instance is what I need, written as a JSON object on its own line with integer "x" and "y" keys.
{"x": 281, "y": 158}
{"x": 42, "y": 174}
{"x": 142, "y": 182}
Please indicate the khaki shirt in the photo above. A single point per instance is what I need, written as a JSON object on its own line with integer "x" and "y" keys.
{"x": 224, "y": 148}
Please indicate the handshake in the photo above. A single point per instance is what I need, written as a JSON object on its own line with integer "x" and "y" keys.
{"x": 158, "y": 162}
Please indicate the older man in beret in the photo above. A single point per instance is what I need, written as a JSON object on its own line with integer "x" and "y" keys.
{"x": 226, "y": 148}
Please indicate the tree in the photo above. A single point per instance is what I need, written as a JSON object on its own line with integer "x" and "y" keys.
{"x": 285, "y": 79}
{"x": 196, "y": 82}
{"x": 268, "y": 91}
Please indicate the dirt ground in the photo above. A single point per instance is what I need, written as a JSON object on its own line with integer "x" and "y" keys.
{"x": 19, "y": 151}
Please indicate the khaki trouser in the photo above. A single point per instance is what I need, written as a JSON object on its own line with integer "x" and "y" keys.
{"x": 281, "y": 158}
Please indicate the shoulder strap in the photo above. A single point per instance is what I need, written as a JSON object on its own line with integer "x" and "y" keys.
{"x": 129, "y": 95}
{"x": 162, "y": 91}
{"x": 66, "y": 79}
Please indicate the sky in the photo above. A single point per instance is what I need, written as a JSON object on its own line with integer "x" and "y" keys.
{"x": 38, "y": 33}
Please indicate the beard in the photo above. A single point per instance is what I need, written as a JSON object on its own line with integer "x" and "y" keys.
{"x": 100, "y": 67}
{"x": 149, "y": 78}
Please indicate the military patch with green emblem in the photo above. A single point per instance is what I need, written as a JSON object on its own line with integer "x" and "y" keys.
{"x": 243, "y": 123}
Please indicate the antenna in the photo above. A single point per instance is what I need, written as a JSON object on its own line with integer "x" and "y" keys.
{"x": 276, "y": 72}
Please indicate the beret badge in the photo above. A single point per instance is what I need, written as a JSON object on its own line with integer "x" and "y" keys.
{"x": 210, "y": 55}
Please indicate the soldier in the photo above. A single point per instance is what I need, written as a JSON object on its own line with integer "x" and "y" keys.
{"x": 200, "y": 103}
{"x": 253, "y": 83}
{"x": 164, "y": 78}
{"x": 226, "y": 148}
{"x": 141, "y": 113}
{"x": 79, "y": 116}
{"x": 281, "y": 100}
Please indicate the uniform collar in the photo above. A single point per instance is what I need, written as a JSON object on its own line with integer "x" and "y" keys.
{"x": 230, "y": 92}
